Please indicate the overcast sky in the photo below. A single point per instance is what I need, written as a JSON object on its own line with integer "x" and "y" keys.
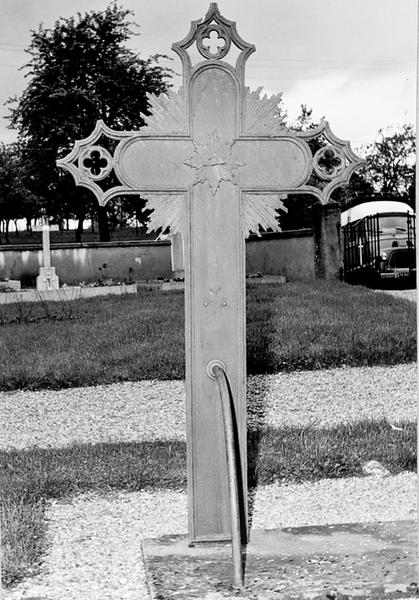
{"x": 352, "y": 61}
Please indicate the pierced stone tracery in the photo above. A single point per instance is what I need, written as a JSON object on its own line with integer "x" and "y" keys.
{"x": 96, "y": 162}
{"x": 99, "y": 169}
{"x": 213, "y": 41}
{"x": 328, "y": 162}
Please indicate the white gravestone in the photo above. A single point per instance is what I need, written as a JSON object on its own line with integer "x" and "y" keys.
{"x": 214, "y": 162}
{"x": 47, "y": 278}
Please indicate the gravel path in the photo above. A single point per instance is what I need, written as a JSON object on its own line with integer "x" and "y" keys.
{"x": 149, "y": 410}
{"x": 406, "y": 294}
{"x": 95, "y": 540}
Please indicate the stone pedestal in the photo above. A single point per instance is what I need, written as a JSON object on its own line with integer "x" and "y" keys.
{"x": 47, "y": 279}
{"x": 327, "y": 241}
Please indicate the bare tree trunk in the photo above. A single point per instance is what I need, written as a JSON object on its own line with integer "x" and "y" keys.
{"x": 103, "y": 224}
{"x": 79, "y": 230}
{"x": 6, "y": 232}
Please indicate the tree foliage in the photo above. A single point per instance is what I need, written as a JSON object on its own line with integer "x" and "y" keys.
{"x": 300, "y": 206}
{"x": 16, "y": 200}
{"x": 391, "y": 161}
{"x": 389, "y": 172}
{"x": 79, "y": 71}
{"x": 304, "y": 121}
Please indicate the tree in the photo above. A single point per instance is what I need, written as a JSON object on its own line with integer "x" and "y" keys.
{"x": 304, "y": 121}
{"x": 16, "y": 201}
{"x": 80, "y": 71}
{"x": 358, "y": 190}
{"x": 391, "y": 161}
{"x": 300, "y": 206}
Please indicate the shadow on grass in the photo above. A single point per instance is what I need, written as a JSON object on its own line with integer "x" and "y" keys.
{"x": 32, "y": 477}
{"x": 260, "y": 335}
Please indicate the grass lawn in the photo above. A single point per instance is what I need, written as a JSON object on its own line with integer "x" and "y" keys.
{"x": 289, "y": 454}
{"x": 293, "y": 326}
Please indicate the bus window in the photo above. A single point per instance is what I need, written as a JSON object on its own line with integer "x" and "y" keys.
{"x": 393, "y": 222}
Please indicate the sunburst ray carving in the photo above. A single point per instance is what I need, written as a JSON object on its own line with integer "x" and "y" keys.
{"x": 262, "y": 115}
{"x": 168, "y": 113}
{"x": 260, "y": 212}
{"x": 169, "y": 212}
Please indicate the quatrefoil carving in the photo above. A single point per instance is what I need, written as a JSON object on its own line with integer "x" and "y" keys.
{"x": 328, "y": 162}
{"x": 96, "y": 162}
{"x": 213, "y": 41}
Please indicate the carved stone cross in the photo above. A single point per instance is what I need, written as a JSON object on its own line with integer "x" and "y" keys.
{"x": 47, "y": 278}
{"x": 214, "y": 162}
{"x": 46, "y": 249}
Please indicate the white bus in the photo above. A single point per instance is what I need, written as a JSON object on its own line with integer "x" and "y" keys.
{"x": 379, "y": 239}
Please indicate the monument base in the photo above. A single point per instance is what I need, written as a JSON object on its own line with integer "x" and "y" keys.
{"x": 364, "y": 560}
{"x": 47, "y": 279}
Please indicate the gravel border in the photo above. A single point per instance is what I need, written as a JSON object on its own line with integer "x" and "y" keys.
{"x": 95, "y": 551}
{"x": 95, "y": 540}
{"x": 406, "y": 294}
{"x": 151, "y": 410}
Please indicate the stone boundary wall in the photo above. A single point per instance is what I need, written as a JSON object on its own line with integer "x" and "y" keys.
{"x": 294, "y": 254}
{"x": 289, "y": 253}
{"x": 75, "y": 263}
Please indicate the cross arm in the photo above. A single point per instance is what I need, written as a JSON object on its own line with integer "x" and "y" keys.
{"x": 141, "y": 162}
{"x": 333, "y": 163}
{"x": 286, "y": 163}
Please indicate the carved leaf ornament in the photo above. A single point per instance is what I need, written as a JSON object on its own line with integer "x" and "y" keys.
{"x": 212, "y": 160}
{"x": 213, "y": 163}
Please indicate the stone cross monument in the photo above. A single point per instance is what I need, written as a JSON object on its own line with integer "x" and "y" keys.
{"x": 47, "y": 278}
{"x": 214, "y": 161}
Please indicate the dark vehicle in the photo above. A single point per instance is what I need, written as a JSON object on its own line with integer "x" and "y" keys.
{"x": 379, "y": 242}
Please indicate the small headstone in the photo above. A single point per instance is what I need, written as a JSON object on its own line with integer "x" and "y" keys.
{"x": 176, "y": 252}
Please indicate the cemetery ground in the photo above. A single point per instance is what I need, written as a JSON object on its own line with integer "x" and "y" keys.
{"x": 296, "y": 326}
{"x": 298, "y": 332}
